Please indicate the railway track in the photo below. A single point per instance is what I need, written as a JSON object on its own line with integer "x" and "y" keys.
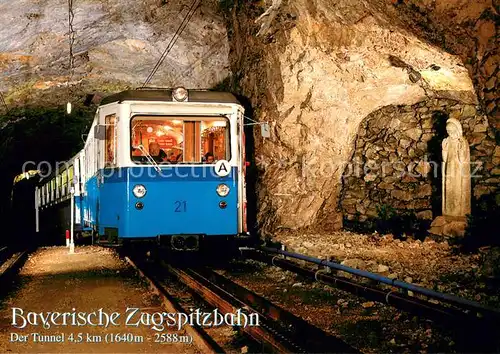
{"x": 278, "y": 329}
{"x": 201, "y": 339}
{"x": 468, "y": 318}
{"x": 273, "y": 329}
{"x": 10, "y": 262}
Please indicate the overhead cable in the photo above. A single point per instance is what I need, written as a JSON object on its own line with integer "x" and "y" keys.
{"x": 174, "y": 38}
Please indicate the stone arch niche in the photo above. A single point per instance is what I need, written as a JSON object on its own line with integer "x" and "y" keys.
{"x": 396, "y": 160}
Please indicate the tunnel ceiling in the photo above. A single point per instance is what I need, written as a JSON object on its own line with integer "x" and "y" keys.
{"x": 117, "y": 44}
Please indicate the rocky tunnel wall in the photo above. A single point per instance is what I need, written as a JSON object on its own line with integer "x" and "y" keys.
{"x": 314, "y": 70}
{"x": 396, "y": 163}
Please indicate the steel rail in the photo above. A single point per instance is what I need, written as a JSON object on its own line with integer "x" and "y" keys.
{"x": 14, "y": 262}
{"x": 227, "y": 303}
{"x": 455, "y": 300}
{"x": 305, "y": 334}
{"x": 419, "y": 307}
{"x": 202, "y": 340}
{"x": 476, "y": 334}
{"x": 279, "y": 330}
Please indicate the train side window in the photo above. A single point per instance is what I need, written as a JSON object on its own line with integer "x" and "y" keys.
{"x": 86, "y": 162}
{"x": 58, "y": 186}
{"x": 71, "y": 175}
{"x": 83, "y": 173}
{"x": 65, "y": 182}
{"x": 215, "y": 139}
{"x": 52, "y": 188}
{"x": 110, "y": 156}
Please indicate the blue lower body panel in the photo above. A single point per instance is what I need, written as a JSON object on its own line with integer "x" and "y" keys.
{"x": 180, "y": 203}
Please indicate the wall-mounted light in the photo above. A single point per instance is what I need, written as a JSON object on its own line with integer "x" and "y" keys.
{"x": 68, "y": 107}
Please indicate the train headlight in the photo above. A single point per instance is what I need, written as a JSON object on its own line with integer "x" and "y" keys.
{"x": 139, "y": 191}
{"x": 180, "y": 94}
{"x": 222, "y": 190}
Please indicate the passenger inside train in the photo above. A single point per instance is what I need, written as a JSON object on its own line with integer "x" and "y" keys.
{"x": 180, "y": 139}
{"x": 156, "y": 152}
{"x": 209, "y": 157}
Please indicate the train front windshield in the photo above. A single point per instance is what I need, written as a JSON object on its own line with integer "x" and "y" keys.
{"x": 168, "y": 140}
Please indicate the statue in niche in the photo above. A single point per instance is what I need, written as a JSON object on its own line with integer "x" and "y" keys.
{"x": 456, "y": 171}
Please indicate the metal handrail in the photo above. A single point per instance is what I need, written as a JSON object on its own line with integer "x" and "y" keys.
{"x": 393, "y": 282}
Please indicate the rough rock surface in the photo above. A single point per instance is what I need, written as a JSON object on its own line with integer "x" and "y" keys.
{"x": 320, "y": 69}
{"x": 369, "y": 326}
{"x": 397, "y": 159}
{"x": 117, "y": 44}
{"x": 468, "y": 29}
{"x": 429, "y": 264}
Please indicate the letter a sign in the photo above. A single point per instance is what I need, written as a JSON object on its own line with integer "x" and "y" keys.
{"x": 222, "y": 168}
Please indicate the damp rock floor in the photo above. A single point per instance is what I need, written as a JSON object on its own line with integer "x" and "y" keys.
{"x": 91, "y": 279}
{"x": 369, "y": 326}
{"x": 441, "y": 266}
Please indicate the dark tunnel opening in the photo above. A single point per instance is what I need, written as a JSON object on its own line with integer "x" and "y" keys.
{"x": 32, "y": 138}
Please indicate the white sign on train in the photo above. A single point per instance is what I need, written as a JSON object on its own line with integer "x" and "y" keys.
{"x": 222, "y": 168}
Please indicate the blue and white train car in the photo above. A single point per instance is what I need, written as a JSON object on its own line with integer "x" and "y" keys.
{"x": 53, "y": 198}
{"x": 166, "y": 166}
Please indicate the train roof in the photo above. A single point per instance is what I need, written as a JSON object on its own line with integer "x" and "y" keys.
{"x": 166, "y": 95}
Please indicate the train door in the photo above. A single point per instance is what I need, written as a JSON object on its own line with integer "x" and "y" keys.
{"x": 95, "y": 164}
{"x": 107, "y": 137}
{"x": 109, "y": 193}
{"x": 242, "y": 202}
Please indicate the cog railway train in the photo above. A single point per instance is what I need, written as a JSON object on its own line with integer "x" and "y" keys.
{"x": 159, "y": 166}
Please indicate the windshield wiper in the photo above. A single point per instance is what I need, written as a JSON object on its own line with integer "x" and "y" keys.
{"x": 149, "y": 158}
